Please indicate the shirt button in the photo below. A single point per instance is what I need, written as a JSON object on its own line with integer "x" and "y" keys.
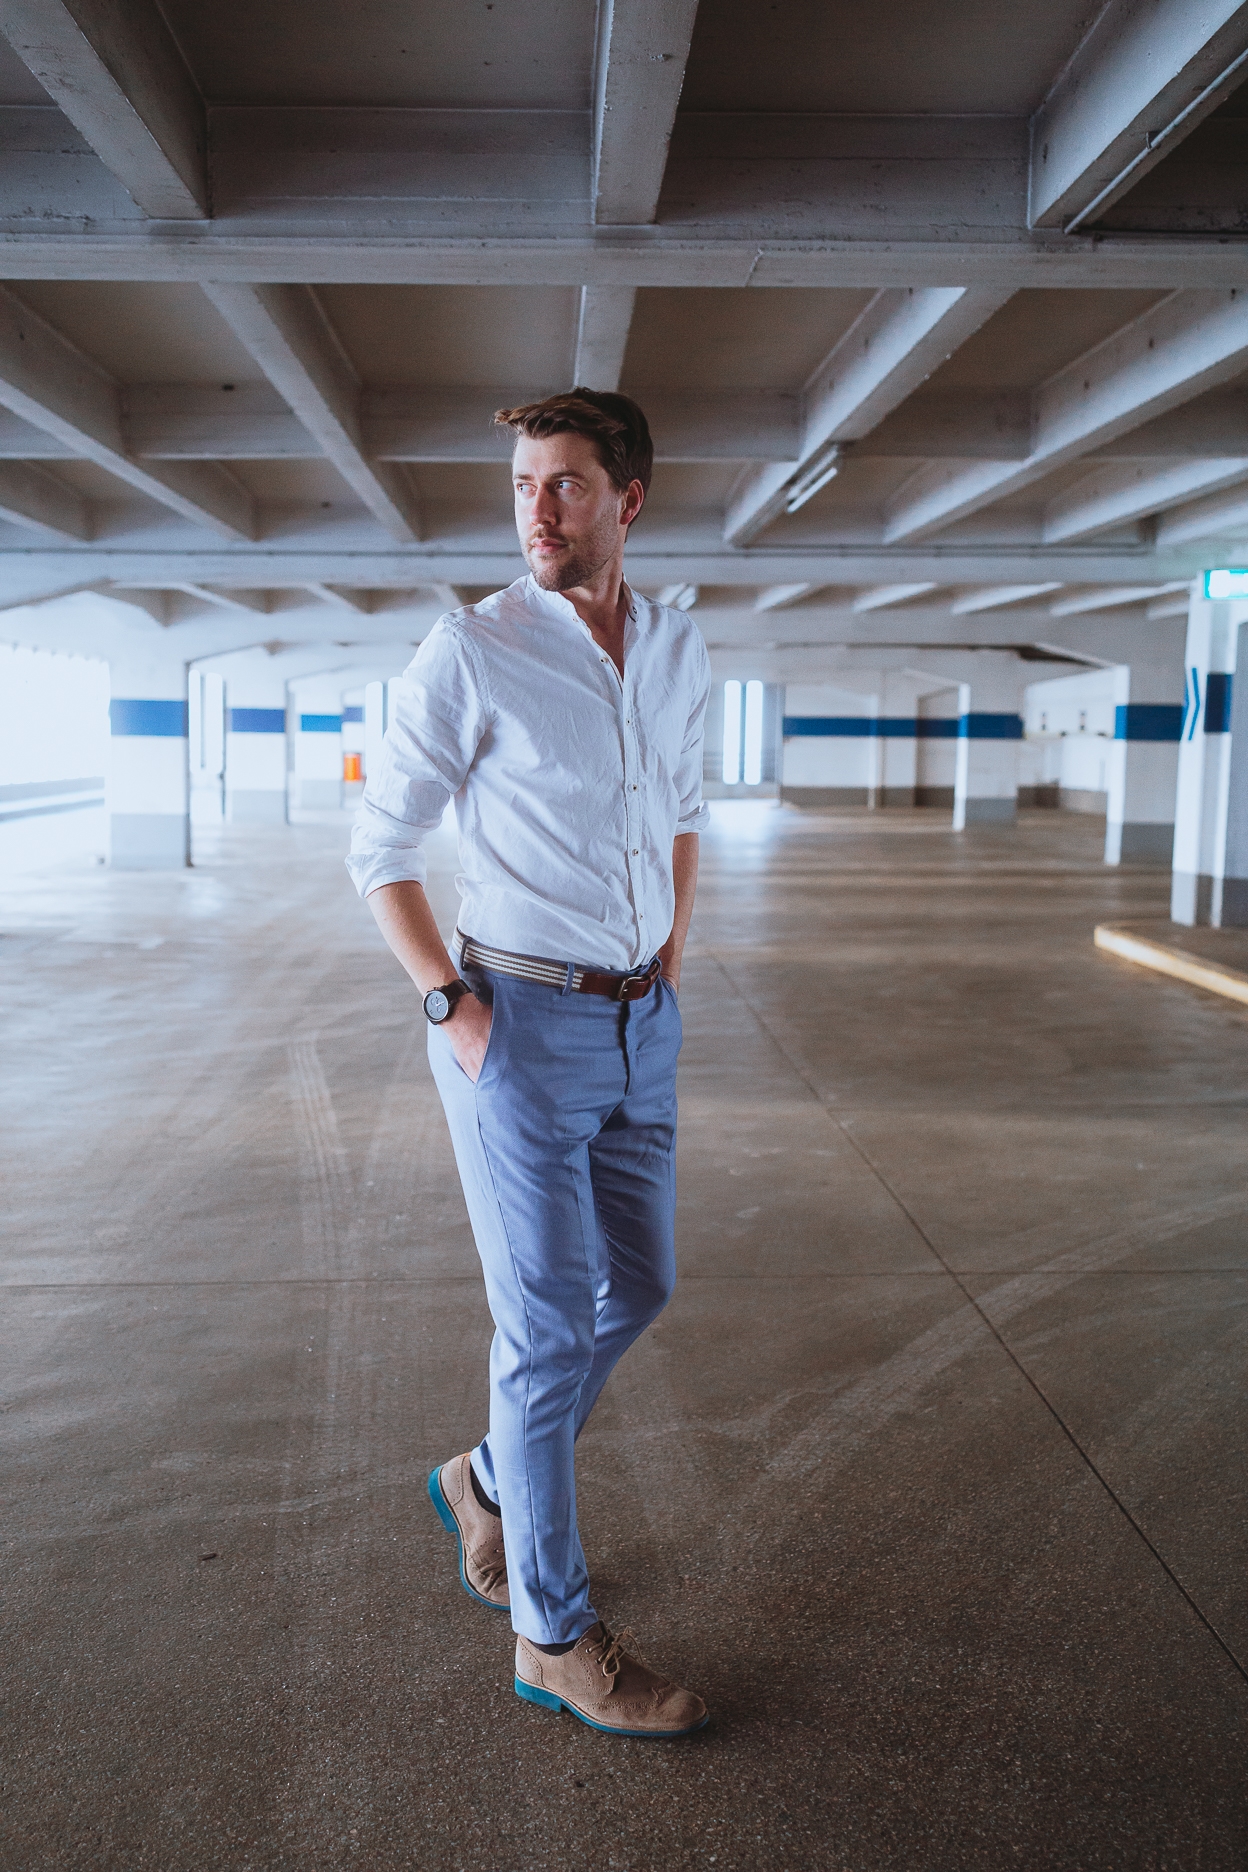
{"x": 635, "y": 852}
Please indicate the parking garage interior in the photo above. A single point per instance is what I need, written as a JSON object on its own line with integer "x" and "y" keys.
{"x": 930, "y": 1479}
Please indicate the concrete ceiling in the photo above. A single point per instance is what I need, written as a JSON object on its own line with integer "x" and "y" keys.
{"x": 270, "y": 267}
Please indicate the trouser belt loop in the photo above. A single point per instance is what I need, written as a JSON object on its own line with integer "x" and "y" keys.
{"x": 567, "y": 986}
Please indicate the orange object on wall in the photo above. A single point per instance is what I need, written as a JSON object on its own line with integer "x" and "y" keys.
{"x": 352, "y": 767}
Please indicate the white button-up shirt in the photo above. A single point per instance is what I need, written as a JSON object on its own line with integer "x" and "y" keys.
{"x": 569, "y": 784}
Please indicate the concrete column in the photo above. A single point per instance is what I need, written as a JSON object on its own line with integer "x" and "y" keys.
{"x": 1235, "y": 867}
{"x": 990, "y": 732}
{"x": 1211, "y": 807}
{"x": 255, "y": 743}
{"x": 1141, "y": 768}
{"x": 146, "y": 792}
{"x": 937, "y": 715}
{"x": 317, "y": 712}
{"x": 897, "y": 754}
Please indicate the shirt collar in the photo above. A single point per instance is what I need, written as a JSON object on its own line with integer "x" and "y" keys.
{"x": 562, "y": 607}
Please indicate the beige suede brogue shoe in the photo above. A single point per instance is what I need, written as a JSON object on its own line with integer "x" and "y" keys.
{"x": 482, "y": 1561}
{"x": 602, "y": 1684}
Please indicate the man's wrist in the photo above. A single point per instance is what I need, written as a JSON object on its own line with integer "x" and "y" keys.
{"x": 440, "y": 1003}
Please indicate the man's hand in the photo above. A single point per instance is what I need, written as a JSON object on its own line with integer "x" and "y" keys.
{"x": 685, "y": 884}
{"x": 468, "y": 1030}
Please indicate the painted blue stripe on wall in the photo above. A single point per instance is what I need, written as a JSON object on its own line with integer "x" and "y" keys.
{"x": 1218, "y": 702}
{"x": 989, "y": 727}
{"x": 797, "y": 725}
{"x": 130, "y": 715}
{"x": 904, "y": 727}
{"x": 320, "y": 724}
{"x": 257, "y": 721}
{"x": 1148, "y": 721}
{"x": 353, "y": 713}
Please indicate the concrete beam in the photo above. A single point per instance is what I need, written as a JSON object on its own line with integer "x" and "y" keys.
{"x": 1114, "y": 496}
{"x": 332, "y": 241}
{"x": 880, "y": 597}
{"x": 250, "y": 602}
{"x": 1189, "y": 343}
{"x": 342, "y": 598}
{"x": 1114, "y": 596}
{"x": 286, "y": 333}
{"x": 51, "y": 385}
{"x": 200, "y": 422}
{"x": 780, "y": 597}
{"x": 1143, "y": 77}
{"x": 606, "y": 313}
{"x": 997, "y": 597}
{"x": 1217, "y": 517}
{"x": 116, "y": 72}
{"x": 31, "y": 497}
{"x": 894, "y": 344}
{"x": 643, "y": 47}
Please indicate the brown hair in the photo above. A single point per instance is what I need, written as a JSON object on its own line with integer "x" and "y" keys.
{"x": 613, "y": 423}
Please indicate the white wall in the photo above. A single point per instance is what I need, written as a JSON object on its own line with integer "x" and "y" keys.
{"x": 834, "y": 763}
{"x": 1069, "y": 725}
{"x": 54, "y": 749}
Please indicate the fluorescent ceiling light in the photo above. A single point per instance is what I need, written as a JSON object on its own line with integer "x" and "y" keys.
{"x": 816, "y": 474}
{"x": 731, "y": 769}
{"x": 753, "y": 766}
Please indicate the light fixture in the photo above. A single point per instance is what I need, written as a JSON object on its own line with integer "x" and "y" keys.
{"x": 1226, "y": 584}
{"x": 818, "y": 471}
{"x": 753, "y": 766}
{"x": 732, "y": 733}
{"x": 679, "y": 597}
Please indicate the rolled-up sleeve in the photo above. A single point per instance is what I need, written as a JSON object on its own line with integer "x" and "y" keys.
{"x": 440, "y": 712}
{"x": 692, "y": 815}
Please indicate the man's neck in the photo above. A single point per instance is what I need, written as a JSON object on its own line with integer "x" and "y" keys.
{"x": 602, "y": 606}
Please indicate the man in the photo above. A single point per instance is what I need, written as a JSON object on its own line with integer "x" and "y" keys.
{"x": 564, "y": 716}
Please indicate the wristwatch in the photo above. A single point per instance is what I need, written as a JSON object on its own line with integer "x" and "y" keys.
{"x": 440, "y": 1002}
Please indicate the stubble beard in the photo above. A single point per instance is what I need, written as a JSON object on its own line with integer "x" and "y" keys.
{"x": 583, "y": 561}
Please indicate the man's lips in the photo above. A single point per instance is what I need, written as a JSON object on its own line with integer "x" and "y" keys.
{"x": 546, "y": 544}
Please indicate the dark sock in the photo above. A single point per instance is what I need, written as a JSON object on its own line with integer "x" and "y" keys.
{"x": 557, "y": 1650}
{"x": 491, "y": 1507}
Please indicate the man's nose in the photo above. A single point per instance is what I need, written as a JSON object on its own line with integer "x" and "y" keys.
{"x": 545, "y": 506}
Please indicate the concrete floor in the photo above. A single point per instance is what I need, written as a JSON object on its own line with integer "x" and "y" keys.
{"x": 931, "y": 1479}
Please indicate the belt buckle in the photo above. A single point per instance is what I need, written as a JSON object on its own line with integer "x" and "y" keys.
{"x": 641, "y": 979}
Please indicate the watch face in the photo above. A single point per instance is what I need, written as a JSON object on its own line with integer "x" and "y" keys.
{"x": 437, "y": 1007}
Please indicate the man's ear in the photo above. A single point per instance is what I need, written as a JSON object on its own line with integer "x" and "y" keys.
{"x": 634, "y": 492}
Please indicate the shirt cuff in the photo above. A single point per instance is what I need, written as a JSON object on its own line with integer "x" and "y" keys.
{"x": 695, "y": 821}
{"x": 368, "y": 871}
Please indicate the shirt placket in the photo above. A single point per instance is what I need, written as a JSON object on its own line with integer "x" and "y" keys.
{"x": 625, "y": 702}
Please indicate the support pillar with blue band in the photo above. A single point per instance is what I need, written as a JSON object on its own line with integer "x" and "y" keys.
{"x": 316, "y": 720}
{"x": 148, "y": 810}
{"x": 1210, "y": 878}
{"x": 255, "y": 745}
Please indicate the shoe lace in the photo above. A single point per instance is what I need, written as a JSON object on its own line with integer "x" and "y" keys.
{"x": 612, "y": 1652}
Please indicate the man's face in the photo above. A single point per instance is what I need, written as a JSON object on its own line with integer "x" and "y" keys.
{"x": 570, "y": 517}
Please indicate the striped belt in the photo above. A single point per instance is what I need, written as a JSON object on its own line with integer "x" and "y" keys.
{"x": 568, "y": 977}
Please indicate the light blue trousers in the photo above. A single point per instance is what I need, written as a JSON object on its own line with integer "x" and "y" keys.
{"x": 565, "y": 1148}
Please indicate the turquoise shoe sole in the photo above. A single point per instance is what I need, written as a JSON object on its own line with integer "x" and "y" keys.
{"x": 545, "y": 1699}
{"x": 443, "y": 1511}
